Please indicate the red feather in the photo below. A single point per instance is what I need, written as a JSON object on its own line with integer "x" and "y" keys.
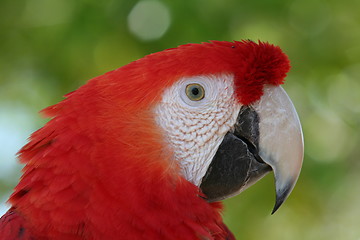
{"x": 12, "y": 227}
{"x": 100, "y": 169}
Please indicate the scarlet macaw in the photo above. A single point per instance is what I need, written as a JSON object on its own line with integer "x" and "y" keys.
{"x": 148, "y": 150}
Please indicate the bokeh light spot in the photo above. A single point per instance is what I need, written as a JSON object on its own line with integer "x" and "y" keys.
{"x": 344, "y": 92}
{"x": 15, "y": 126}
{"x": 149, "y": 20}
{"x": 327, "y": 137}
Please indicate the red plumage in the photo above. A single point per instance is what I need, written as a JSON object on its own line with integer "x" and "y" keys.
{"x": 100, "y": 169}
{"x": 12, "y": 227}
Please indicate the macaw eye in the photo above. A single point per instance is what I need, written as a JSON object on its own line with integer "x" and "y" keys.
{"x": 195, "y": 92}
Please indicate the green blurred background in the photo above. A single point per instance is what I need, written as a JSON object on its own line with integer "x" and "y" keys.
{"x": 51, "y": 47}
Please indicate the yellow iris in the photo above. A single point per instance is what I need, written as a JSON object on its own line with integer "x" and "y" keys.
{"x": 195, "y": 92}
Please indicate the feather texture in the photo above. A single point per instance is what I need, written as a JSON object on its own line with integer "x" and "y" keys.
{"x": 12, "y": 227}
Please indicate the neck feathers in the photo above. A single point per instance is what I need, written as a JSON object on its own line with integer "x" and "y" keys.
{"x": 87, "y": 178}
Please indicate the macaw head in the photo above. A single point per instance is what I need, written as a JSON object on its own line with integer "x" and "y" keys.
{"x": 165, "y": 134}
{"x": 226, "y": 119}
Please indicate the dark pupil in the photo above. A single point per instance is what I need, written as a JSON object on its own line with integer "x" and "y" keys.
{"x": 195, "y": 91}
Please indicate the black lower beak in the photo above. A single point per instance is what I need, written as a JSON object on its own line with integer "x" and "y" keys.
{"x": 236, "y": 164}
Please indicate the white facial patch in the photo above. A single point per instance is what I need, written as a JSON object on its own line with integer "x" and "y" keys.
{"x": 195, "y": 129}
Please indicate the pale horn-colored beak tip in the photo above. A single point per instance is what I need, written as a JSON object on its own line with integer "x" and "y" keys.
{"x": 280, "y": 198}
{"x": 281, "y": 140}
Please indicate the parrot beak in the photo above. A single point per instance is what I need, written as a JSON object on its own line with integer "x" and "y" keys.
{"x": 267, "y": 136}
